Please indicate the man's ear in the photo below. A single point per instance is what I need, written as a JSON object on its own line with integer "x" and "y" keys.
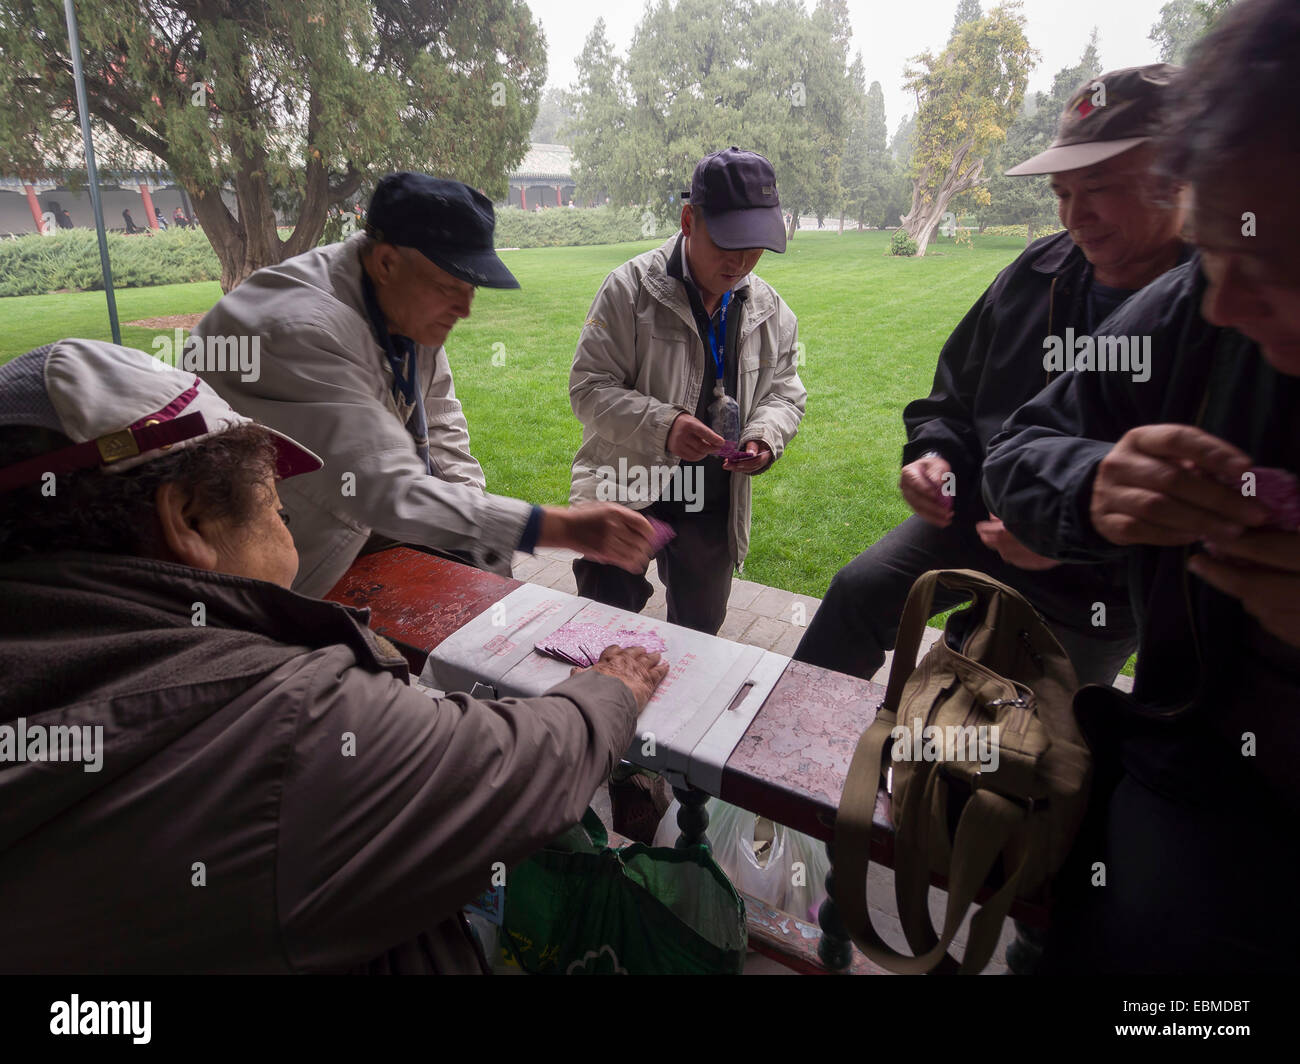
{"x": 687, "y": 218}
{"x": 180, "y": 529}
{"x": 383, "y": 262}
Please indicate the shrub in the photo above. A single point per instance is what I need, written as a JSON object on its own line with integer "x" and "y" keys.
{"x": 69, "y": 259}
{"x": 1021, "y": 231}
{"x": 561, "y": 227}
{"x": 901, "y": 244}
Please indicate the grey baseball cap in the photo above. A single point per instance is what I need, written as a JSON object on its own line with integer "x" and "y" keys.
{"x": 120, "y": 408}
{"x": 737, "y": 191}
{"x": 1106, "y": 116}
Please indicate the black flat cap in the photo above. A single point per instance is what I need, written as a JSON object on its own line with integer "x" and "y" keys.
{"x": 447, "y": 222}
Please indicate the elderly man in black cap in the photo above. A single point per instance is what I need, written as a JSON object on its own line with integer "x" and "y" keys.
{"x": 350, "y": 360}
{"x": 686, "y": 385}
{"x": 1122, "y": 230}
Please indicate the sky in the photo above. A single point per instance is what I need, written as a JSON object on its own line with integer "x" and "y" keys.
{"x": 888, "y": 34}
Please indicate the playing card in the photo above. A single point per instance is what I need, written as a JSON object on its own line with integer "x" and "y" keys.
{"x": 661, "y": 535}
{"x": 1278, "y": 491}
{"x": 582, "y": 644}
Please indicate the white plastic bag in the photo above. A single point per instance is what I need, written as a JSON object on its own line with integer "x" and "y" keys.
{"x": 789, "y": 875}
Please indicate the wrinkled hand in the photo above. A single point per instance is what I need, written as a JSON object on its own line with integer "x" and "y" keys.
{"x": 921, "y": 483}
{"x": 602, "y": 532}
{"x": 1262, "y": 569}
{"x": 762, "y": 459}
{"x": 639, "y": 671}
{"x": 995, "y": 536}
{"x": 690, "y": 439}
{"x": 1161, "y": 485}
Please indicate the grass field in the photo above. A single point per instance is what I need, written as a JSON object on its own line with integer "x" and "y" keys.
{"x": 872, "y": 327}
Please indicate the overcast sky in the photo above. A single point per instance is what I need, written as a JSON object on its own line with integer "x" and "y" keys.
{"x": 889, "y": 33}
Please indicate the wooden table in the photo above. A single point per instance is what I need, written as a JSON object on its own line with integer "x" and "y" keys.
{"x": 790, "y": 765}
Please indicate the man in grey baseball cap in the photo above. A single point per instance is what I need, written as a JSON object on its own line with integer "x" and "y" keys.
{"x": 1122, "y": 230}
{"x": 686, "y": 385}
{"x": 351, "y": 360}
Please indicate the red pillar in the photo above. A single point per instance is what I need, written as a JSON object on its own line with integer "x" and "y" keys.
{"x": 558, "y": 202}
{"x": 523, "y": 198}
{"x": 35, "y": 205}
{"x": 149, "y": 212}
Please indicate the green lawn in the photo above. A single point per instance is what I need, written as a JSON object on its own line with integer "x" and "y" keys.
{"x": 872, "y": 326}
{"x": 30, "y": 321}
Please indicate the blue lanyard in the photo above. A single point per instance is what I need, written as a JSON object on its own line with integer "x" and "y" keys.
{"x": 718, "y": 343}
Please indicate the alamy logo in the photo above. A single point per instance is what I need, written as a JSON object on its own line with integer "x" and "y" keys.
{"x": 638, "y": 483}
{"x": 210, "y": 354}
{"x": 102, "y": 1017}
{"x": 952, "y": 742}
{"x": 57, "y": 742}
{"x": 1123, "y": 354}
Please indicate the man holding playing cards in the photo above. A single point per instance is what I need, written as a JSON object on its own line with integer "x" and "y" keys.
{"x": 685, "y": 383}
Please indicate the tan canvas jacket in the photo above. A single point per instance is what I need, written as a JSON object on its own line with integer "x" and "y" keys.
{"x": 640, "y": 363}
{"x": 323, "y": 379}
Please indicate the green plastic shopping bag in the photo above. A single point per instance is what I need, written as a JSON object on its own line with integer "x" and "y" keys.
{"x": 581, "y": 908}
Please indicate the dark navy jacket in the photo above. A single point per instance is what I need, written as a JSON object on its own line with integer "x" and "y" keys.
{"x": 1207, "y": 673}
{"x": 991, "y": 365}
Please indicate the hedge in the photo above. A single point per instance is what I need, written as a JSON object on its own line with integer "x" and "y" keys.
{"x": 68, "y": 260}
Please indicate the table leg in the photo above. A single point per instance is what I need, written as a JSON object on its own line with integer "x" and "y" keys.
{"x": 835, "y": 948}
{"x": 692, "y": 818}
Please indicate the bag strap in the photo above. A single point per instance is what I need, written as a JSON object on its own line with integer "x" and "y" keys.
{"x": 986, "y": 825}
{"x": 918, "y": 609}
{"x": 911, "y": 626}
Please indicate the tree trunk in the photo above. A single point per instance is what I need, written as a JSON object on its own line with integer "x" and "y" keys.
{"x": 921, "y": 220}
{"x": 250, "y": 240}
{"x": 1029, "y": 233}
{"x": 794, "y": 224}
{"x": 926, "y": 224}
{"x": 841, "y": 223}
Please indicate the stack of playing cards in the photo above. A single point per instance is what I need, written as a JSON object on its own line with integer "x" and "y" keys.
{"x": 582, "y": 644}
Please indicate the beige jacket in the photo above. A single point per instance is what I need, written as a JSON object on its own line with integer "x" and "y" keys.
{"x": 640, "y": 362}
{"x": 322, "y": 378}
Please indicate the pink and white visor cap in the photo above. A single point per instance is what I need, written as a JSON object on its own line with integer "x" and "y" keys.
{"x": 120, "y": 407}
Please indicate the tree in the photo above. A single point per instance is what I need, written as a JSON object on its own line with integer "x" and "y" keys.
{"x": 702, "y": 75}
{"x": 1179, "y": 26}
{"x": 870, "y": 173}
{"x": 553, "y": 115}
{"x": 600, "y": 108}
{"x": 1029, "y": 201}
{"x": 1182, "y": 23}
{"x": 298, "y": 102}
{"x": 967, "y": 11}
{"x": 900, "y": 147}
{"x": 897, "y": 180}
{"x": 1211, "y": 10}
{"x": 967, "y": 96}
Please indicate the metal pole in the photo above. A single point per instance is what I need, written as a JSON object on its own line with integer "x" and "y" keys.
{"x": 83, "y": 108}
